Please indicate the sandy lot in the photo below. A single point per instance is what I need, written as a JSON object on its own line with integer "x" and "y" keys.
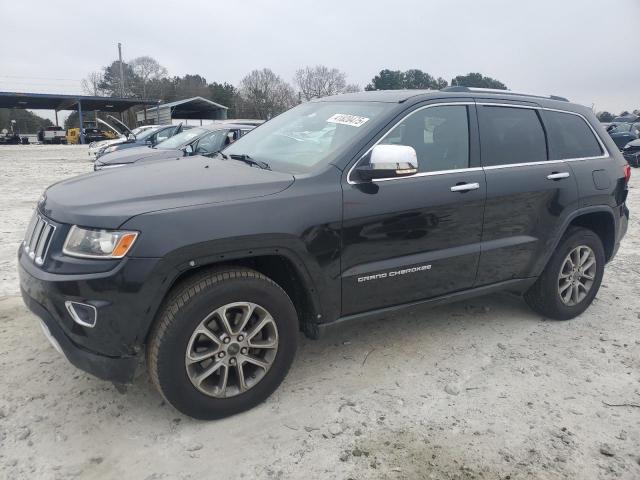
{"x": 483, "y": 389}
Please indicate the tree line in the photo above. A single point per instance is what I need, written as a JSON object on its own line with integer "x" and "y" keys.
{"x": 608, "y": 116}
{"x": 261, "y": 93}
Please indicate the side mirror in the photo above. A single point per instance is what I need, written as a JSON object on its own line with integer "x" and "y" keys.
{"x": 611, "y": 127}
{"x": 389, "y": 161}
{"x": 188, "y": 149}
{"x": 131, "y": 137}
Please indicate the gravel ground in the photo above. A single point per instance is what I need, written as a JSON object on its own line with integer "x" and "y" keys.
{"x": 481, "y": 389}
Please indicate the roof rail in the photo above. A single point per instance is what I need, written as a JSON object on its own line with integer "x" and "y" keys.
{"x": 454, "y": 88}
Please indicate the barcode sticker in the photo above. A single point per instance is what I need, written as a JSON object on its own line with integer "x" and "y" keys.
{"x": 345, "y": 119}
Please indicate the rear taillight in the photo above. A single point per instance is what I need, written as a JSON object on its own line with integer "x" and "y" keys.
{"x": 627, "y": 173}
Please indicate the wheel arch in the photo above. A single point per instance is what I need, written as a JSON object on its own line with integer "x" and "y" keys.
{"x": 280, "y": 265}
{"x": 599, "y": 219}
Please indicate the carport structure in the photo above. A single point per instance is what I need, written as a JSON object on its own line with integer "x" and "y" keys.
{"x": 56, "y": 102}
{"x": 195, "y": 108}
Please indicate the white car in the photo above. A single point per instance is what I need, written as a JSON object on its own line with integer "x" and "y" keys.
{"x": 95, "y": 147}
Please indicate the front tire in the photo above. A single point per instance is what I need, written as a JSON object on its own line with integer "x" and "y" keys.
{"x": 572, "y": 277}
{"x": 223, "y": 343}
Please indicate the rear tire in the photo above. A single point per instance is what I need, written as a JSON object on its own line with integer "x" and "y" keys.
{"x": 214, "y": 315}
{"x": 567, "y": 287}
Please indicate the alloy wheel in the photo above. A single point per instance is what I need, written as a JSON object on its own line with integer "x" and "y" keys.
{"x": 231, "y": 349}
{"x": 577, "y": 275}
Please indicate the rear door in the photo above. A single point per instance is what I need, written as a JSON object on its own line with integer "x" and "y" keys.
{"x": 412, "y": 238}
{"x": 528, "y": 195}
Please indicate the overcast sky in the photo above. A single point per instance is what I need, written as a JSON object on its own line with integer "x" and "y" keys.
{"x": 586, "y": 50}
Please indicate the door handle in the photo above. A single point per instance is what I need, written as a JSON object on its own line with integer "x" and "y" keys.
{"x": 557, "y": 175}
{"x": 465, "y": 187}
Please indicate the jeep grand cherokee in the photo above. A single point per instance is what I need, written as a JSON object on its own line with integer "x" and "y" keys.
{"x": 346, "y": 207}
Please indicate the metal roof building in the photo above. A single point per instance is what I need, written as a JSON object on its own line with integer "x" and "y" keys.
{"x": 196, "y": 108}
{"x": 80, "y": 103}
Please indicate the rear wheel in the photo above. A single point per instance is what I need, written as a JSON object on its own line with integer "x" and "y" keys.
{"x": 572, "y": 277}
{"x": 223, "y": 343}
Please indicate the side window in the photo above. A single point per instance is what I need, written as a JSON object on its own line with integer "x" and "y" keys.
{"x": 439, "y": 135}
{"x": 510, "y": 135}
{"x": 570, "y": 137}
{"x": 210, "y": 143}
{"x": 164, "y": 134}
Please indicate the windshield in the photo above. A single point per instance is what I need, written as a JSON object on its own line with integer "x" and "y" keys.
{"x": 181, "y": 139}
{"x": 138, "y": 130}
{"x": 147, "y": 133}
{"x": 307, "y": 135}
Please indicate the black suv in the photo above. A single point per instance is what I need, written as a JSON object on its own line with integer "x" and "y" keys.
{"x": 347, "y": 207}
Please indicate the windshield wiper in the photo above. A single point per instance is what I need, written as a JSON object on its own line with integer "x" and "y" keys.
{"x": 250, "y": 161}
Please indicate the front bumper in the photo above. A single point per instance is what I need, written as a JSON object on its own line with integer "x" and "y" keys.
{"x": 113, "y": 369}
{"x": 125, "y": 297}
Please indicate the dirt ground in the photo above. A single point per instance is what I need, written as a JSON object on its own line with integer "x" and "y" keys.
{"x": 483, "y": 389}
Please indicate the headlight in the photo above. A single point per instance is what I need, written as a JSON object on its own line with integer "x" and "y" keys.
{"x": 109, "y": 149}
{"x": 90, "y": 243}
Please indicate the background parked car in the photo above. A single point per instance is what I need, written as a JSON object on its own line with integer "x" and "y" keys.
{"x": 149, "y": 137}
{"x": 205, "y": 140}
{"x": 631, "y": 153}
{"x": 53, "y": 135}
{"x": 95, "y": 147}
{"x": 623, "y": 133}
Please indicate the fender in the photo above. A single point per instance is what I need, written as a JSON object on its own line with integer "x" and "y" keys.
{"x": 565, "y": 225}
{"x": 180, "y": 262}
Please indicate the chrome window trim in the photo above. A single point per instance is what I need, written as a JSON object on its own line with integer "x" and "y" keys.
{"x": 422, "y": 174}
{"x": 512, "y": 105}
{"x": 429, "y": 174}
{"x": 489, "y": 167}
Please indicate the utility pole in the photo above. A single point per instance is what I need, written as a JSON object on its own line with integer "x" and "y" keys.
{"x": 121, "y": 70}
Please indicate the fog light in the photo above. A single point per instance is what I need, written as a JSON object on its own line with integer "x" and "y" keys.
{"x": 82, "y": 313}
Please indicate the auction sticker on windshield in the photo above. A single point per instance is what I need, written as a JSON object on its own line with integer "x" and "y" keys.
{"x": 344, "y": 119}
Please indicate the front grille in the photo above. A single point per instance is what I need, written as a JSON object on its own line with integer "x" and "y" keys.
{"x": 38, "y": 238}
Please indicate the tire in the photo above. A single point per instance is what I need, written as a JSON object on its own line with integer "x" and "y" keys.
{"x": 174, "y": 340}
{"x": 544, "y": 296}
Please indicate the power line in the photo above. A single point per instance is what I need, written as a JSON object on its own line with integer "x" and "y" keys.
{"x": 41, "y": 78}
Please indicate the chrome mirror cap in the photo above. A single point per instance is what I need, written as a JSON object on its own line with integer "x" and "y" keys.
{"x": 389, "y": 161}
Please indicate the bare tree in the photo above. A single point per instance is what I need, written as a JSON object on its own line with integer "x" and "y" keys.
{"x": 321, "y": 81}
{"x": 265, "y": 94}
{"x": 147, "y": 69}
{"x": 91, "y": 84}
{"x": 351, "y": 88}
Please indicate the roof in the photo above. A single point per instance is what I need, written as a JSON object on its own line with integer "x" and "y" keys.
{"x": 47, "y": 101}
{"x": 388, "y": 96}
{"x": 190, "y": 108}
{"x": 225, "y": 126}
{"x": 400, "y": 96}
{"x": 631, "y": 118}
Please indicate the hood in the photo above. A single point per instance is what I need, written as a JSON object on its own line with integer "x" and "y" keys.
{"x": 134, "y": 154}
{"x": 108, "y": 198}
{"x": 105, "y": 143}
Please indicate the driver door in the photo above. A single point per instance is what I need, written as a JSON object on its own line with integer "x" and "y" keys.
{"x": 412, "y": 238}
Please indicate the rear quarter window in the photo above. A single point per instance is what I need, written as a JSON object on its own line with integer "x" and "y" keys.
{"x": 570, "y": 137}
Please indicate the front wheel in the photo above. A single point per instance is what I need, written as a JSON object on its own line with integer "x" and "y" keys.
{"x": 571, "y": 279}
{"x": 223, "y": 343}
